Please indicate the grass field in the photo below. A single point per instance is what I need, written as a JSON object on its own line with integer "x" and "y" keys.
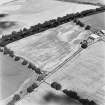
{"x": 49, "y": 48}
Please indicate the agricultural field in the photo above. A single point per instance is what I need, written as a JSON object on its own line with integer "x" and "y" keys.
{"x": 12, "y": 76}
{"x": 85, "y": 74}
{"x": 50, "y": 51}
{"x": 45, "y": 95}
{"x": 47, "y": 49}
{"x": 92, "y": 2}
{"x": 97, "y": 21}
{"x": 36, "y": 12}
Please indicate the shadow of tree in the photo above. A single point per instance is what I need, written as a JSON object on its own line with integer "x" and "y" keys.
{"x": 59, "y": 99}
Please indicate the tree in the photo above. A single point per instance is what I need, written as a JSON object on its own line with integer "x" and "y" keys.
{"x": 17, "y": 58}
{"x": 30, "y": 65}
{"x": 34, "y": 85}
{"x": 87, "y": 27}
{"x": 30, "y": 89}
{"x": 11, "y": 54}
{"x": 5, "y": 51}
{"x": 38, "y": 71}
{"x": 71, "y": 94}
{"x": 81, "y": 24}
{"x": 84, "y": 44}
{"x": 16, "y": 97}
{"x": 56, "y": 85}
{"x": 24, "y": 62}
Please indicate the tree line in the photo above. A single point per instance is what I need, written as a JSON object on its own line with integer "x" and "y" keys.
{"x": 14, "y": 36}
{"x": 72, "y": 94}
{"x": 9, "y": 52}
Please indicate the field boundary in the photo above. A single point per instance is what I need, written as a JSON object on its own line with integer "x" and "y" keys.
{"x": 14, "y": 36}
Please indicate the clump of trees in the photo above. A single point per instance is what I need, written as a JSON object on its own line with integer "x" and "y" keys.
{"x": 56, "y": 85}
{"x": 71, "y": 94}
{"x": 78, "y": 23}
{"x": 7, "y": 51}
{"x": 34, "y": 68}
{"x": 84, "y": 44}
{"x": 16, "y": 97}
{"x": 87, "y": 27}
{"x": 41, "y": 77}
{"x": 32, "y": 87}
{"x": 14, "y": 36}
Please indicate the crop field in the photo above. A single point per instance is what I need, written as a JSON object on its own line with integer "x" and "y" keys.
{"x": 85, "y": 74}
{"x": 47, "y": 49}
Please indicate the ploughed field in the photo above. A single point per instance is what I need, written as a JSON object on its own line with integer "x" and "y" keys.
{"x": 48, "y": 49}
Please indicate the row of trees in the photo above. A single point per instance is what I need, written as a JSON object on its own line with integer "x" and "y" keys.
{"x": 74, "y": 95}
{"x": 7, "y": 51}
{"x": 14, "y": 36}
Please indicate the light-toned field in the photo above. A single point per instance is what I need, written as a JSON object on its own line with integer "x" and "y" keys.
{"x": 31, "y": 12}
{"x": 85, "y": 73}
{"x": 47, "y": 49}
